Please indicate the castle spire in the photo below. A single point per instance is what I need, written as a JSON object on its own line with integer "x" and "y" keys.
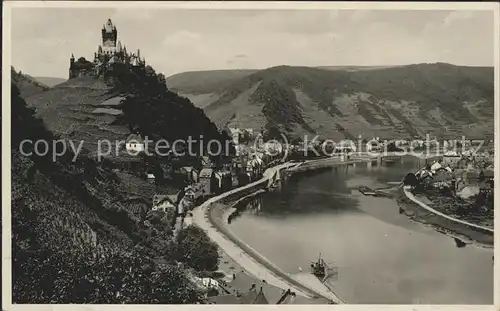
{"x": 72, "y": 56}
{"x": 119, "y": 47}
{"x": 138, "y": 54}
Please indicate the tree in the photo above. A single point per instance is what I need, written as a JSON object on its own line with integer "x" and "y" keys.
{"x": 196, "y": 249}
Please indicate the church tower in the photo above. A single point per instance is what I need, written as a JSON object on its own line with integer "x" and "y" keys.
{"x": 109, "y": 35}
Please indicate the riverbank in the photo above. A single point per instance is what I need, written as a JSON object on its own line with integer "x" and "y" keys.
{"x": 419, "y": 211}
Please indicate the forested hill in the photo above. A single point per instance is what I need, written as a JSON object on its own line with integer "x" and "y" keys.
{"x": 438, "y": 99}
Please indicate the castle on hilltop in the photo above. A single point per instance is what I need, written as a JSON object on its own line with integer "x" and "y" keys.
{"x": 109, "y": 56}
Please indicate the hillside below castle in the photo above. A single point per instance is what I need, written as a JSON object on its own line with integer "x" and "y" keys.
{"x": 110, "y": 56}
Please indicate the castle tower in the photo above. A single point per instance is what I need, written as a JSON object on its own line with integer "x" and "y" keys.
{"x": 119, "y": 47}
{"x": 72, "y": 60}
{"x": 109, "y": 35}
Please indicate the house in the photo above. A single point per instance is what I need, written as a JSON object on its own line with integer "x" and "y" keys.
{"x": 489, "y": 174}
{"x": 150, "y": 177}
{"x": 443, "y": 178}
{"x": 436, "y": 166}
{"x": 252, "y": 169}
{"x": 254, "y": 297}
{"x": 134, "y": 143}
{"x": 451, "y": 158}
{"x": 210, "y": 283}
{"x": 259, "y": 163}
{"x": 227, "y": 179}
{"x": 218, "y": 178}
{"x": 206, "y": 162}
{"x": 485, "y": 187}
{"x": 164, "y": 203}
{"x": 208, "y": 180}
{"x": 235, "y": 135}
{"x": 193, "y": 192}
{"x": 190, "y": 173}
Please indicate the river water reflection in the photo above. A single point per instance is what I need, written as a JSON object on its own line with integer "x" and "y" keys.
{"x": 382, "y": 257}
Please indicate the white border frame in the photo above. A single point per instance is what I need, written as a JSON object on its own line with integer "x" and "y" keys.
{"x": 6, "y": 155}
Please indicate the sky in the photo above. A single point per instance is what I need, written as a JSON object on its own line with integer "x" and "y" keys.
{"x": 176, "y": 40}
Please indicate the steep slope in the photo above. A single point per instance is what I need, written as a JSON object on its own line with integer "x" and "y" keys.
{"x": 439, "y": 99}
{"x": 72, "y": 241}
{"x": 26, "y": 84}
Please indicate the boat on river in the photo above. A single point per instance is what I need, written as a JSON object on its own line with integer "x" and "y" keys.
{"x": 323, "y": 270}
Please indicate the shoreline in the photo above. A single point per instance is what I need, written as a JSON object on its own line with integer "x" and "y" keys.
{"x": 244, "y": 255}
{"x": 441, "y": 222}
{"x": 417, "y": 213}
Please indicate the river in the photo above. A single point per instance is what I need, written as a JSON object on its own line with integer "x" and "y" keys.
{"x": 381, "y": 256}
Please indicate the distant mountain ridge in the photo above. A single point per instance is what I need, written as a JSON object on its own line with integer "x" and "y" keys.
{"x": 50, "y": 81}
{"x": 343, "y": 102}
